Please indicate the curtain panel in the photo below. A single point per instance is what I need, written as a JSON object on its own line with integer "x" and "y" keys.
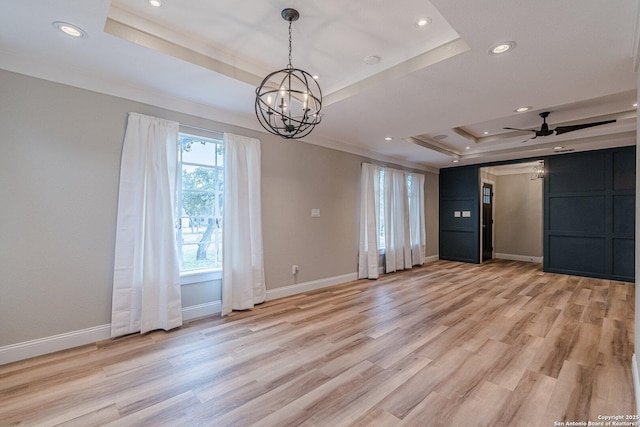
{"x": 417, "y": 220}
{"x": 401, "y": 197}
{"x": 146, "y": 277}
{"x": 369, "y": 221}
{"x": 396, "y": 230}
{"x": 243, "y": 282}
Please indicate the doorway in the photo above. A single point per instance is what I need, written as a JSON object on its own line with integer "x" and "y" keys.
{"x": 487, "y": 221}
{"x": 511, "y": 214}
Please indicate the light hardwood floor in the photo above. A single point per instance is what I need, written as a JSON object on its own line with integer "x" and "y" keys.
{"x": 447, "y": 344}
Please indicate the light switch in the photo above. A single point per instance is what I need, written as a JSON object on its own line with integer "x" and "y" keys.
{"x": 466, "y": 214}
{"x": 315, "y": 213}
{"x": 456, "y": 214}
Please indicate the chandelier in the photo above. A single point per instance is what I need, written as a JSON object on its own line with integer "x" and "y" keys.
{"x": 538, "y": 171}
{"x": 288, "y": 101}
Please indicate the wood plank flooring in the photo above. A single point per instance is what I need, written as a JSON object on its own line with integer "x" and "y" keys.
{"x": 447, "y": 344}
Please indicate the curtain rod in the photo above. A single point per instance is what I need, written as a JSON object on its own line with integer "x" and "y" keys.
{"x": 214, "y": 132}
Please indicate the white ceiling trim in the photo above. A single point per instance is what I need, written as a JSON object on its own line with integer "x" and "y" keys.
{"x": 526, "y": 168}
{"x": 135, "y": 29}
{"x": 432, "y": 144}
{"x": 552, "y": 69}
{"x": 441, "y": 53}
{"x": 622, "y": 115}
{"x": 534, "y": 149}
{"x": 150, "y": 41}
{"x": 71, "y": 76}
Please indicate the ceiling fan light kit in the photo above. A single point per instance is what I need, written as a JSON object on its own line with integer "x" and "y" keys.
{"x": 559, "y": 130}
{"x": 288, "y": 101}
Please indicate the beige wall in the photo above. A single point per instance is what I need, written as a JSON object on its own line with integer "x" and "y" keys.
{"x": 59, "y": 170}
{"x": 518, "y": 215}
{"x": 328, "y": 180}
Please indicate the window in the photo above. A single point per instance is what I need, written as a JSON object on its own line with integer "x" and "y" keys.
{"x": 199, "y": 204}
{"x": 486, "y": 195}
{"x": 381, "y": 232}
{"x": 392, "y": 220}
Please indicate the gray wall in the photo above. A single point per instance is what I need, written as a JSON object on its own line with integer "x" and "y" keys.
{"x": 59, "y": 168}
{"x": 322, "y": 247}
{"x": 518, "y": 215}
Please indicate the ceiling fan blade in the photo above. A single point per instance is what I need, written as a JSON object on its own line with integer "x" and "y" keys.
{"x": 523, "y": 130}
{"x": 522, "y": 142}
{"x": 564, "y": 129}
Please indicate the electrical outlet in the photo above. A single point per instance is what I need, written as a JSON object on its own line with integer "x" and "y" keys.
{"x": 295, "y": 269}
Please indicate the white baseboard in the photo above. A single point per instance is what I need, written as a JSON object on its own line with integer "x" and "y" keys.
{"x": 201, "y": 310}
{"x": 636, "y": 381}
{"x": 432, "y": 258}
{"x": 299, "y": 288}
{"x": 40, "y": 346}
{"x": 426, "y": 260}
{"x": 525, "y": 258}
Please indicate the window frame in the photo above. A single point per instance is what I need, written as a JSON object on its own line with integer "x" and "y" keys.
{"x": 206, "y": 274}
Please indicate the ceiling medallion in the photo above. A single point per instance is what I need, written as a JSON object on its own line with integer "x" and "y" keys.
{"x": 288, "y": 101}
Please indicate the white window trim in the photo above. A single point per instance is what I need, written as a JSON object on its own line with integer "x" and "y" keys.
{"x": 198, "y": 276}
{"x": 188, "y": 277}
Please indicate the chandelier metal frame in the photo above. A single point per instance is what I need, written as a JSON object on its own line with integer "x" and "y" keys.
{"x": 288, "y": 101}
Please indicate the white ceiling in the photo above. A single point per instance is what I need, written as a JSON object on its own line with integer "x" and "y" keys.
{"x": 573, "y": 58}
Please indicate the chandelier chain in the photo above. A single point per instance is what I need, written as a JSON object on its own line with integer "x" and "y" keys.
{"x": 289, "y": 66}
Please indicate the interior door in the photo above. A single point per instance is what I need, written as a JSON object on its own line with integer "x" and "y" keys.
{"x": 487, "y": 221}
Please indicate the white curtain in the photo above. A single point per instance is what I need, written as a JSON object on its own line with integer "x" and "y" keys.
{"x": 417, "y": 219}
{"x": 146, "y": 277}
{"x": 243, "y": 283}
{"x": 369, "y": 222}
{"x": 396, "y": 219}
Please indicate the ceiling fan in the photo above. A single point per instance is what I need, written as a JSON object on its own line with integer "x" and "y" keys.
{"x": 545, "y": 131}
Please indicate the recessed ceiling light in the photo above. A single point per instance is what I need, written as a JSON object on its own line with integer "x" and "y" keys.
{"x": 486, "y": 132}
{"x": 388, "y": 138}
{"x": 456, "y": 161}
{"x": 635, "y": 104}
{"x": 315, "y": 76}
{"x": 155, "y": 3}
{"x": 522, "y": 109}
{"x": 441, "y": 137}
{"x": 467, "y": 148}
{"x": 501, "y": 48}
{"x": 70, "y": 29}
{"x": 372, "y": 60}
{"x": 558, "y": 148}
{"x": 423, "y": 22}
